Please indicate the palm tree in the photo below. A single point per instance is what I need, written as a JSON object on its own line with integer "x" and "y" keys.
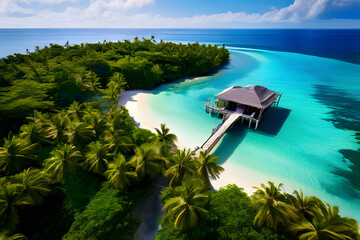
{"x": 326, "y": 224}
{"x": 97, "y": 122}
{"x": 80, "y": 134}
{"x": 147, "y": 161}
{"x": 272, "y": 210}
{"x": 59, "y": 124}
{"x": 38, "y": 116}
{"x": 180, "y": 164}
{"x": 97, "y": 157}
{"x": 33, "y": 185}
{"x": 208, "y": 167}
{"x": 9, "y": 201}
{"x": 88, "y": 81}
{"x": 305, "y": 206}
{"x": 186, "y": 208}
{"x": 121, "y": 142}
{"x": 119, "y": 119}
{"x": 16, "y": 154}
{"x": 75, "y": 111}
{"x": 92, "y": 82}
{"x": 5, "y": 235}
{"x": 163, "y": 136}
{"x": 115, "y": 86}
{"x": 119, "y": 173}
{"x": 88, "y": 108}
{"x": 36, "y": 132}
{"x": 65, "y": 159}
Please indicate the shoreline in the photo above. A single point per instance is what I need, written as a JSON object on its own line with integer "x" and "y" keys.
{"x": 136, "y": 101}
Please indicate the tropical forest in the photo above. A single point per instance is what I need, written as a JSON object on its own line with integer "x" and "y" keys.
{"x": 74, "y": 164}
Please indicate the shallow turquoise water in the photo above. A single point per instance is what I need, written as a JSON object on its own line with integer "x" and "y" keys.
{"x": 299, "y": 143}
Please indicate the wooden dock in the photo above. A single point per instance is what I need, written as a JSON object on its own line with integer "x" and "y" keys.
{"x": 218, "y": 132}
{"x": 252, "y": 103}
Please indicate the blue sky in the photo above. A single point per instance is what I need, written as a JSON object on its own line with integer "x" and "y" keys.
{"x": 180, "y": 14}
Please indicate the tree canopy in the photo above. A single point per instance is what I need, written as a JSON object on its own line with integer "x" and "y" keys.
{"x": 56, "y": 75}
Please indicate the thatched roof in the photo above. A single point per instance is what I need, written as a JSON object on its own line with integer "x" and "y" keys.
{"x": 252, "y": 95}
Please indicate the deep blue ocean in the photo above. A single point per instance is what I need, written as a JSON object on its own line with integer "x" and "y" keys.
{"x": 338, "y": 44}
{"x": 308, "y": 142}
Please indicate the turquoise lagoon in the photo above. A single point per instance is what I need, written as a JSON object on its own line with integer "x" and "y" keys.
{"x": 301, "y": 144}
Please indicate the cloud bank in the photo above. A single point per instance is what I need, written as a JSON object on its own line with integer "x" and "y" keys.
{"x": 114, "y": 13}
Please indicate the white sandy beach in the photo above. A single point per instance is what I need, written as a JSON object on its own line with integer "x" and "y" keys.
{"x": 136, "y": 101}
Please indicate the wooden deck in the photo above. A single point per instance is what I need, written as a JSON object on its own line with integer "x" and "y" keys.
{"x": 229, "y": 118}
{"x": 220, "y": 130}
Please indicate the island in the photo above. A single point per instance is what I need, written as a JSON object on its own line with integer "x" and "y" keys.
{"x": 74, "y": 165}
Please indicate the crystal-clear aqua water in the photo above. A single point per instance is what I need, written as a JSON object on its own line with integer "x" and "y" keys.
{"x": 299, "y": 143}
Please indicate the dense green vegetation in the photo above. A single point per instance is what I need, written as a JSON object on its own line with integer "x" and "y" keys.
{"x": 53, "y": 169}
{"x": 57, "y": 75}
{"x": 108, "y": 216}
{"x": 270, "y": 213}
{"x": 63, "y": 159}
{"x": 78, "y": 171}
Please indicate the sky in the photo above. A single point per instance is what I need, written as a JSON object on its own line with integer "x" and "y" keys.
{"x": 180, "y": 14}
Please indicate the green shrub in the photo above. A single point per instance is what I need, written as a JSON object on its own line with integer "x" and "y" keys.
{"x": 108, "y": 216}
{"x": 141, "y": 136}
{"x": 79, "y": 188}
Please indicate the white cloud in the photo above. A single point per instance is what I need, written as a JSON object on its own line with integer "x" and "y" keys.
{"x": 298, "y": 11}
{"x": 114, "y": 5}
{"x": 344, "y": 3}
{"x": 45, "y": 1}
{"x": 10, "y": 7}
{"x": 112, "y": 9}
{"x": 113, "y": 13}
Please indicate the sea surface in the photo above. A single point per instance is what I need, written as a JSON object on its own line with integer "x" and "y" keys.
{"x": 308, "y": 142}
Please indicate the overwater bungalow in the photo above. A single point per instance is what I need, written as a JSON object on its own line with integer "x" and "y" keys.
{"x": 250, "y": 103}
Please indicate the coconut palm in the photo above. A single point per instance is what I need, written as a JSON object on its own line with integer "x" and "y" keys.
{"x": 88, "y": 108}
{"x": 43, "y": 117}
{"x": 119, "y": 119}
{"x": 272, "y": 210}
{"x": 97, "y": 122}
{"x": 92, "y": 82}
{"x": 65, "y": 160}
{"x": 9, "y": 201}
{"x": 326, "y": 224}
{"x": 32, "y": 185}
{"x": 115, "y": 86}
{"x": 146, "y": 161}
{"x": 186, "y": 208}
{"x": 208, "y": 167}
{"x": 121, "y": 142}
{"x": 59, "y": 123}
{"x": 163, "y": 136}
{"x": 119, "y": 79}
{"x": 16, "y": 154}
{"x": 180, "y": 164}
{"x": 75, "y": 111}
{"x": 80, "y": 134}
{"x": 97, "y": 157}
{"x": 88, "y": 81}
{"x": 305, "y": 206}
{"x": 36, "y": 132}
{"x": 119, "y": 173}
{"x": 5, "y": 235}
